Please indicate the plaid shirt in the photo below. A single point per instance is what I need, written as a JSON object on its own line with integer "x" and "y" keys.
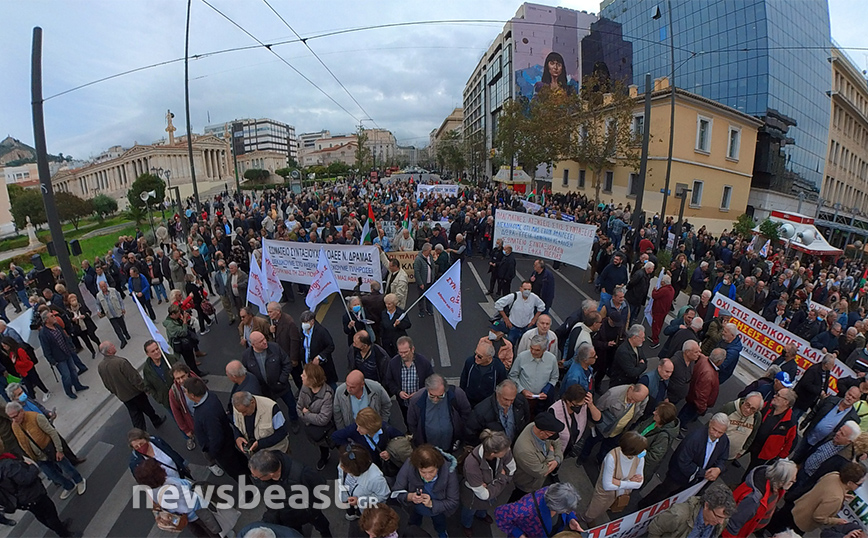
{"x": 409, "y": 380}
{"x": 60, "y": 339}
{"x": 821, "y": 454}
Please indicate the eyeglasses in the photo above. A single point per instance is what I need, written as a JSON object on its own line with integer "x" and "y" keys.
{"x": 436, "y": 396}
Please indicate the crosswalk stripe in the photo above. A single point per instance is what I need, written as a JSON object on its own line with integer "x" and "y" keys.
{"x": 442, "y": 343}
{"x": 112, "y": 508}
{"x": 554, "y": 316}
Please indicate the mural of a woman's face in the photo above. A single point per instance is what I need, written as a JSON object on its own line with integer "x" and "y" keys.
{"x": 555, "y": 68}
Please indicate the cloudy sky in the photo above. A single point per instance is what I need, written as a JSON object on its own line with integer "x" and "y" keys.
{"x": 407, "y": 79}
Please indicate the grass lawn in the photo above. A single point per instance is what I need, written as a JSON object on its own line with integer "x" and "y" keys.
{"x": 69, "y": 231}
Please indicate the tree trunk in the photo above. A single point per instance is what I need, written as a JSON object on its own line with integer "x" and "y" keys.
{"x": 597, "y": 175}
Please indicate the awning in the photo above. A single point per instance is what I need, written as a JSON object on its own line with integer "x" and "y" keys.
{"x": 808, "y": 238}
{"x": 518, "y": 176}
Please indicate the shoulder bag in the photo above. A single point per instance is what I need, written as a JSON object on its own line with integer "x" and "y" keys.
{"x": 168, "y": 521}
{"x": 623, "y": 500}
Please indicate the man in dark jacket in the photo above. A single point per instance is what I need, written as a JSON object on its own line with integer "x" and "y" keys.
{"x": 417, "y": 367}
{"x": 437, "y": 414}
{"x": 89, "y": 278}
{"x": 637, "y": 289}
{"x": 814, "y": 382}
{"x": 317, "y": 347}
{"x": 690, "y": 464}
{"x": 271, "y": 366}
{"x": 59, "y": 350}
{"x": 506, "y": 410}
{"x": 629, "y": 362}
{"x": 494, "y": 260}
{"x": 213, "y": 430}
{"x": 270, "y": 469}
{"x": 505, "y": 272}
{"x": 826, "y": 419}
{"x": 481, "y": 374}
{"x": 284, "y": 331}
{"x": 21, "y": 488}
{"x": 543, "y": 283}
{"x": 124, "y": 381}
{"x": 367, "y": 357}
{"x": 613, "y": 275}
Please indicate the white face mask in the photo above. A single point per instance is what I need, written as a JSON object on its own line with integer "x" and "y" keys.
{"x": 305, "y": 326}
{"x": 492, "y": 336}
{"x": 525, "y": 293}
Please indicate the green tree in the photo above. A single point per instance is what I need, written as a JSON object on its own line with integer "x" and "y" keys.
{"x": 26, "y": 203}
{"x": 474, "y": 147}
{"x": 103, "y": 206}
{"x": 337, "y": 168}
{"x": 284, "y": 172}
{"x": 257, "y": 174}
{"x": 770, "y": 230}
{"x": 363, "y": 153}
{"x": 744, "y": 225}
{"x": 72, "y": 208}
{"x": 146, "y": 183}
{"x": 450, "y": 152}
{"x": 601, "y": 124}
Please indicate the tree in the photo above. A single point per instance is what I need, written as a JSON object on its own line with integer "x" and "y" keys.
{"x": 601, "y": 124}
{"x": 284, "y": 172}
{"x": 103, "y": 206}
{"x": 744, "y": 225}
{"x": 770, "y": 230}
{"x": 474, "y": 147}
{"x": 257, "y": 174}
{"x": 146, "y": 183}
{"x": 363, "y": 153}
{"x": 72, "y": 208}
{"x": 450, "y": 152}
{"x": 535, "y": 132}
{"x": 26, "y": 203}
{"x": 337, "y": 168}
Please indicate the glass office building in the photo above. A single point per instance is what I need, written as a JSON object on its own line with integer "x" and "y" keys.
{"x": 753, "y": 55}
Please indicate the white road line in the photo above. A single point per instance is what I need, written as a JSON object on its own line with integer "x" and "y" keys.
{"x": 481, "y": 284}
{"x": 442, "y": 343}
{"x": 567, "y": 280}
{"x": 554, "y": 316}
{"x": 113, "y": 507}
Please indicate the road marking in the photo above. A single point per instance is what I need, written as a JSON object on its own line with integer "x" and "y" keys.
{"x": 321, "y": 312}
{"x": 488, "y": 305}
{"x": 554, "y": 316}
{"x": 442, "y": 343}
{"x": 567, "y": 280}
{"x": 113, "y": 507}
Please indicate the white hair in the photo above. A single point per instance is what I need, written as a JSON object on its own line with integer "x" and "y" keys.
{"x": 853, "y": 426}
{"x": 720, "y": 418}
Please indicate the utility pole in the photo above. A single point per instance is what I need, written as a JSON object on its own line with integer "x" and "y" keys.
{"x": 638, "y": 220}
{"x": 671, "y": 125}
{"x": 69, "y": 274}
{"x": 187, "y": 107}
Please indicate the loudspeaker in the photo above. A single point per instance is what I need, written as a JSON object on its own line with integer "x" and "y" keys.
{"x": 36, "y": 262}
{"x": 51, "y": 251}
{"x": 44, "y": 279}
{"x": 75, "y": 247}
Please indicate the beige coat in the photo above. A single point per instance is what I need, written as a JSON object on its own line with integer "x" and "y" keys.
{"x": 531, "y": 464}
{"x": 820, "y": 506}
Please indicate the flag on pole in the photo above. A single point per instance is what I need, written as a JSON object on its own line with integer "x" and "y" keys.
{"x": 765, "y": 250}
{"x": 273, "y": 289}
{"x": 406, "y": 222}
{"x": 445, "y": 294}
{"x": 648, "y": 316}
{"x": 21, "y": 325}
{"x": 369, "y": 229}
{"x": 256, "y": 286}
{"x": 324, "y": 282}
{"x": 155, "y": 333}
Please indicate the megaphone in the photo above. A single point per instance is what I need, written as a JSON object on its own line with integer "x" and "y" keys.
{"x": 787, "y": 231}
{"x": 806, "y": 237}
{"x": 145, "y": 196}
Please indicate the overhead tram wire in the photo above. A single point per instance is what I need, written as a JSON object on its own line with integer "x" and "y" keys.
{"x": 332, "y": 33}
{"x": 304, "y": 40}
{"x": 282, "y": 59}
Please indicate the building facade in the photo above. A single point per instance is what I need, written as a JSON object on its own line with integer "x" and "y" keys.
{"x": 382, "y": 145}
{"x": 332, "y": 149}
{"x": 765, "y": 58}
{"x": 712, "y": 156}
{"x": 261, "y": 134}
{"x": 453, "y": 122}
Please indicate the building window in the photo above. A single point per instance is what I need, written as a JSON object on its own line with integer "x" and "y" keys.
{"x": 734, "y": 144}
{"x": 638, "y": 125}
{"x": 703, "y": 134}
{"x": 726, "y": 198}
{"x": 633, "y": 185}
{"x": 581, "y": 179}
{"x": 566, "y": 182}
{"x": 607, "y": 183}
{"x": 696, "y": 194}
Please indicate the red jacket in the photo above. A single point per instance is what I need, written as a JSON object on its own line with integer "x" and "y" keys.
{"x": 704, "y": 385}
{"x": 779, "y": 443}
{"x": 663, "y": 297}
{"x": 755, "y": 501}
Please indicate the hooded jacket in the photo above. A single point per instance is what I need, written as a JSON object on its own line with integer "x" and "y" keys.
{"x": 444, "y": 497}
{"x": 755, "y": 503}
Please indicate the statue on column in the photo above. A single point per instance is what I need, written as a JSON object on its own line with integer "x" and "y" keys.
{"x": 169, "y": 127}
{"x": 31, "y": 234}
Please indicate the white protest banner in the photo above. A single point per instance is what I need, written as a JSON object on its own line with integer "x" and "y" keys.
{"x": 324, "y": 282}
{"x": 762, "y": 341}
{"x": 21, "y": 325}
{"x": 436, "y": 190}
{"x": 255, "y": 285}
{"x": 445, "y": 294}
{"x": 856, "y": 510}
{"x": 822, "y": 310}
{"x": 636, "y": 524}
{"x": 297, "y": 262}
{"x": 273, "y": 288}
{"x": 531, "y": 207}
{"x": 566, "y": 242}
{"x": 152, "y": 329}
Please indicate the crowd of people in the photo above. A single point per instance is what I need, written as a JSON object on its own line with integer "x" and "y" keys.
{"x": 531, "y": 399}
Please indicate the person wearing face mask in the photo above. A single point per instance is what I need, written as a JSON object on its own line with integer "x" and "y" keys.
{"x": 573, "y": 410}
{"x": 622, "y": 473}
{"x": 151, "y": 447}
{"x": 16, "y": 393}
{"x": 524, "y": 309}
{"x": 317, "y": 347}
{"x": 502, "y": 346}
{"x": 356, "y": 320}
{"x": 538, "y": 453}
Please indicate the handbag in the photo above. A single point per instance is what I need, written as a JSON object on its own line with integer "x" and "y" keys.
{"x": 621, "y": 501}
{"x": 167, "y": 521}
{"x": 208, "y": 308}
{"x": 400, "y": 448}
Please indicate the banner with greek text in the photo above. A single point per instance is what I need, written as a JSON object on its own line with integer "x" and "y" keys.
{"x": 636, "y": 524}
{"x": 436, "y": 190}
{"x": 566, "y": 242}
{"x": 531, "y": 207}
{"x": 297, "y": 262}
{"x": 445, "y": 295}
{"x": 762, "y": 341}
{"x": 406, "y": 259}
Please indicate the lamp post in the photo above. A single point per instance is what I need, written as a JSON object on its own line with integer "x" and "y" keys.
{"x": 681, "y": 192}
{"x": 146, "y": 196}
{"x": 671, "y": 114}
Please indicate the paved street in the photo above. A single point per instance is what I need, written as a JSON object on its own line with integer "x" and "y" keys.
{"x": 106, "y": 508}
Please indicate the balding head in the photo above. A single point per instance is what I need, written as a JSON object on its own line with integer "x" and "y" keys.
{"x": 107, "y": 348}
{"x": 355, "y": 383}
{"x": 235, "y": 371}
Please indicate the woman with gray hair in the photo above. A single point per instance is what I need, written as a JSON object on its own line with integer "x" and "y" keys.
{"x": 758, "y": 496}
{"x": 488, "y": 471}
{"x": 524, "y": 516}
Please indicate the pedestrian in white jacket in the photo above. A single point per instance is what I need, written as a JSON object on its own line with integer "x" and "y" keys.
{"x": 362, "y": 484}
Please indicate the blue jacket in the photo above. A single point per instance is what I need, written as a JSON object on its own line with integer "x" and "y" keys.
{"x": 577, "y": 374}
{"x": 52, "y": 351}
{"x": 546, "y": 282}
{"x": 723, "y": 291}
{"x": 177, "y": 461}
{"x": 733, "y": 350}
{"x": 476, "y": 386}
{"x": 146, "y": 287}
{"x": 686, "y": 466}
{"x": 350, "y": 434}
{"x": 825, "y": 340}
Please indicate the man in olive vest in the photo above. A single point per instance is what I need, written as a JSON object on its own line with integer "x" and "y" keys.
{"x": 258, "y": 424}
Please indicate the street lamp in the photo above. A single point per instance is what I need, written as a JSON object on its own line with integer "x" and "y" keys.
{"x": 146, "y": 196}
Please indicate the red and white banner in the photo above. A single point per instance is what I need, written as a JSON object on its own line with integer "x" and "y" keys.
{"x": 762, "y": 341}
{"x": 636, "y": 524}
{"x": 297, "y": 262}
{"x": 323, "y": 284}
{"x": 273, "y": 287}
{"x": 256, "y": 286}
{"x": 547, "y": 238}
{"x": 445, "y": 294}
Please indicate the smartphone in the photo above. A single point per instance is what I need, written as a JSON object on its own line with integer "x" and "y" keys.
{"x": 419, "y": 491}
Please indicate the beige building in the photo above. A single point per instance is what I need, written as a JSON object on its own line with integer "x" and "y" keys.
{"x": 382, "y": 145}
{"x": 846, "y": 179}
{"x": 713, "y": 156}
{"x": 453, "y": 122}
{"x": 328, "y": 150}
{"x": 262, "y": 160}
{"x": 7, "y": 227}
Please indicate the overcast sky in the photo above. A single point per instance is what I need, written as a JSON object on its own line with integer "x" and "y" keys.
{"x": 408, "y": 79}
